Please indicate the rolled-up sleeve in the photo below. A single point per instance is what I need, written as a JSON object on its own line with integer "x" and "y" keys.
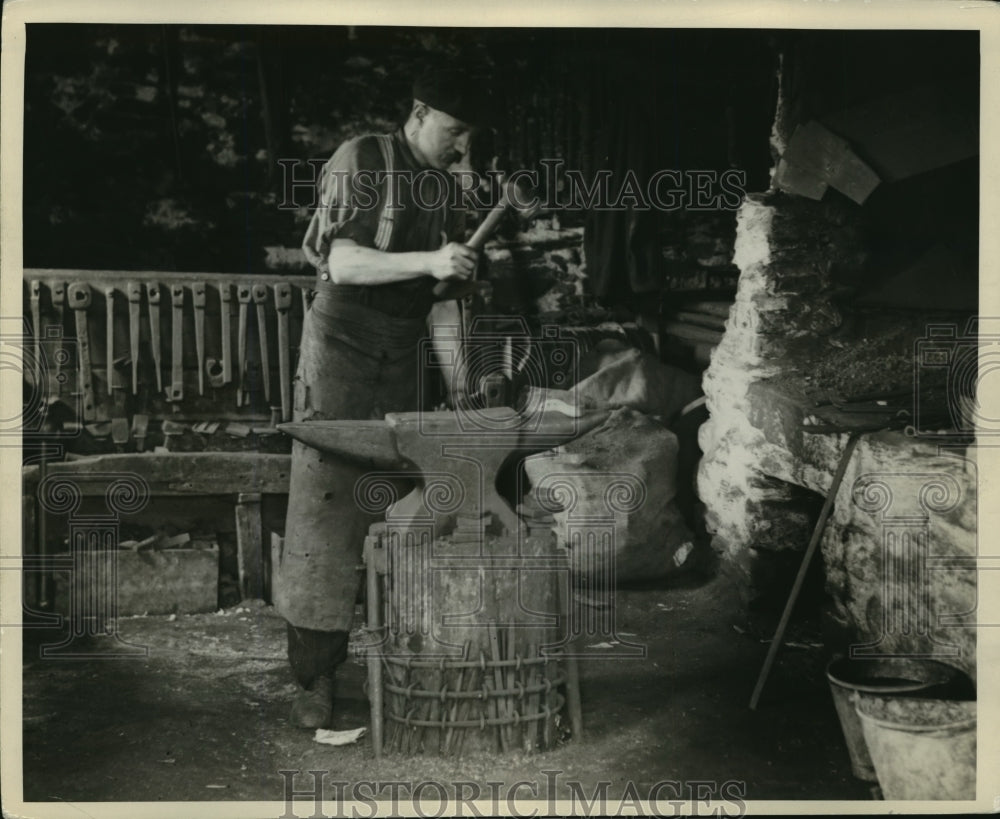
{"x": 349, "y": 200}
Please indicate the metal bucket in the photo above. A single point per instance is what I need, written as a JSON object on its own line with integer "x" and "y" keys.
{"x": 921, "y": 748}
{"x": 890, "y": 676}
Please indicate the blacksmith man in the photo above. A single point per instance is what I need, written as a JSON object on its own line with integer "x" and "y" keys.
{"x": 358, "y": 359}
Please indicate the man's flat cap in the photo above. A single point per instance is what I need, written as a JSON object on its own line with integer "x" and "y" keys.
{"x": 460, "y": 94}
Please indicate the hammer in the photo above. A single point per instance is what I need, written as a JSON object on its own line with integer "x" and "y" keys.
{"x": 453, "y": 296}
{"x": 509, "y": 198}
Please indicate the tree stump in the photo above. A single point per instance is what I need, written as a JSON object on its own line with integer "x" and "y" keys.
{"x": 472, "y": 656}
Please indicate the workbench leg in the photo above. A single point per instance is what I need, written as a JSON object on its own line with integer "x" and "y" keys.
{"x": 31, "y": 590}
{"x": 36, "y": 601}
{"x": 573, "y": 704}
{"x": 270, "y": 569}
{"x": 249, "y": 545}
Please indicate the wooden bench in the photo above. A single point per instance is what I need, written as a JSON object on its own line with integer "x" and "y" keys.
{"x": 246, "y": 476}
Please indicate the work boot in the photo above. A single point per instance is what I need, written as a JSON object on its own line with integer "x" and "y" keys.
{"x": 313, "y": 708}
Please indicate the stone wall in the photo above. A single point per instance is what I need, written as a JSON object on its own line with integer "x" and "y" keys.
{"x": 764, "y": 333}
{"x": 904, "y": 517}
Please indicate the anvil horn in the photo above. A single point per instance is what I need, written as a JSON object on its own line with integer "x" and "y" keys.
{"x": 370, "y": 443}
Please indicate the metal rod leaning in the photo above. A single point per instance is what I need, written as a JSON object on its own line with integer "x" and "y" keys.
{"x": 793, "y": 595}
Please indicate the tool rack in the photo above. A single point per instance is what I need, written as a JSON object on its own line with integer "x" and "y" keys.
{"x": 120, "y": 357}
{"x": 113, "y": 343}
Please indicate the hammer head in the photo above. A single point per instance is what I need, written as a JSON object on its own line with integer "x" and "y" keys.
{"x": 519, "y": 198}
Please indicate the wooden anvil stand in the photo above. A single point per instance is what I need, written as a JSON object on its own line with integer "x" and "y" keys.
{"x": 470, "y": 647}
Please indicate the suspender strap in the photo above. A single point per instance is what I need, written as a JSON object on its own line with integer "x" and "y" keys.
{"x": 383, "y": 235}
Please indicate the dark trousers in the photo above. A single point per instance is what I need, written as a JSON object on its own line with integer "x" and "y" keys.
{"x": 314, "y": 653}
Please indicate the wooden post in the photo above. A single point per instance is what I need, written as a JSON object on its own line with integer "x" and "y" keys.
{"x": 531, "y": 727}
{"x": 249, "y": 545}
{"x": 573, "y": 704}
{"x": 374, "y": 603}
{"x": 498, "y": 706}
{"x": 271, "y": 566}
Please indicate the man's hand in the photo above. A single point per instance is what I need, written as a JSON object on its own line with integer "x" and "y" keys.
{"x": 351, "y": 263}
{"x": 453, "y": 261}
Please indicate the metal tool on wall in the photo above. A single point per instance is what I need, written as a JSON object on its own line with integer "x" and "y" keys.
{"x": 226, "y": 341}
{"x": 153, "y": 298}
{"x": 79, "y": 299}
{"x": 36, "y": 329}
{"x": 259, "y": 293}
{"x": 243, "y": 296}
{"x": 214, "y": 369}
{"x": 119, "y": 432}
{"x": 133, "y": 292}
{"x": 109, "y": 338}
{"x": 140, "y": 425}
{"x": 58, "y": 292}
{"x": 177, "y": 343}
{"x": 198, "y": 299}
{"x": 282, "y": 304}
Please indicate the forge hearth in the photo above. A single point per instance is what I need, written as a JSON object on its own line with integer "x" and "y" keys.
{"x": 795, "y": 375}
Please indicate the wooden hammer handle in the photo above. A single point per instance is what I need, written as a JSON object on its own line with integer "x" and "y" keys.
{"x": 488, "y": 226}
{"x": 447, "y": 289}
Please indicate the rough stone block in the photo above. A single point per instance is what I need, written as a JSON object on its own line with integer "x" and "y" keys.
{"x": 777, "y": 415}
{"x": 613, "y": 488}
{"x": 626, "y": 377}
{"x": 164, "y": 581}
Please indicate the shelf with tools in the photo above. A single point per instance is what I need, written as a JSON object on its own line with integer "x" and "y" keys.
{"x": 127, "y": 356}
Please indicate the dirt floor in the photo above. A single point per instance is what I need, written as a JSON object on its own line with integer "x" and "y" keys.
{"x": 205, "y": 716}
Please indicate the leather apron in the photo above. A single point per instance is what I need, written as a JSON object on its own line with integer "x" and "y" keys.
{"x": 355, "y": 362}
{"x": 359, "y": 358}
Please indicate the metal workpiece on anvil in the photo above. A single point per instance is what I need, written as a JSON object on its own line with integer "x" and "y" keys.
{"x": 462, "y": 450}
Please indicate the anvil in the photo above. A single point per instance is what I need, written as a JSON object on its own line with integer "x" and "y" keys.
{"x": 454, "y": 457}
